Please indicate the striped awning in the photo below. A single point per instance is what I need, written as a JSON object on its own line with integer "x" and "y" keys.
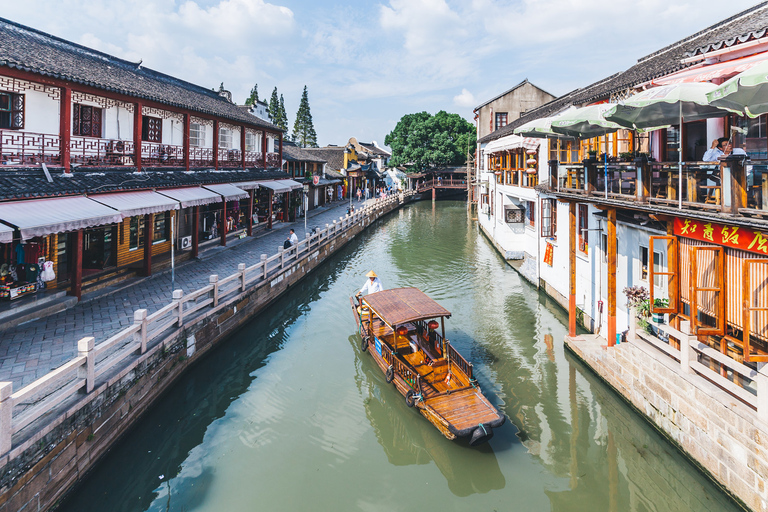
{"x": 6, "y": 234}
{"x": 276, "y": 186}
{"x": 294, "y": 185}
{"x": 191, "y": 196}
{"x": 131, "y": 204}
{"x": 228, "y": 191}
{"x": 41, "y": 217}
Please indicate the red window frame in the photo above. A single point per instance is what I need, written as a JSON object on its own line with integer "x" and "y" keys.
{"x": 86, "y": 120}
{"x": 583, "y": 217}
{"x": 151, "y": 129}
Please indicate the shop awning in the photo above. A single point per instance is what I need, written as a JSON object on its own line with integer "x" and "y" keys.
{"x": 275, "y": 186}
{"x": 6, "y": 234}
{"x": 191, "y": 196}
{"x": 131, "y": 204}
{"x": 294, "y": 185}
{"x": 42, "y": 217}
{"x": 248, "y": 185}
{"x": 229, "y": 191}
{"x": 511, "y": 142}
{"x": 706, "y": 73}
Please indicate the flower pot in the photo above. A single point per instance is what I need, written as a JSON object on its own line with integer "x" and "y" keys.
{"x": 658, "y": 318}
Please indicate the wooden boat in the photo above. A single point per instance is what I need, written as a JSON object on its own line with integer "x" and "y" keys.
{"x": 399, "y": 330}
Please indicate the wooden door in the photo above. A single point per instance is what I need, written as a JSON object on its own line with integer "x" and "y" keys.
{"x": 707, "y": 293}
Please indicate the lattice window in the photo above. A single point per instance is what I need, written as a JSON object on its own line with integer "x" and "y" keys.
{"x": 549, "y": 218}
{"x": 197, "y": 135}
{"x": 583, "y": 228}
{"x": 11, "y": 110}
{"x": 151, "y": 129}
{"x": 86, "y": 121}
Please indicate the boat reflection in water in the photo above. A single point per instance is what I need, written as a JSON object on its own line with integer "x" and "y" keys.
{"x": 409, "y": 440}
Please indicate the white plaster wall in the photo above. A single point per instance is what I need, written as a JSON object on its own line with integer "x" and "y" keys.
{"x": 557, "y": 275}
{"x": 41, "y": 113}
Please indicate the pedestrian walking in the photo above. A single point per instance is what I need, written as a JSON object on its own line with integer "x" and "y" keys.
{"x": 359, "y": 195}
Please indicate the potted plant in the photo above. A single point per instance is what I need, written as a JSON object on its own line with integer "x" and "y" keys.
{"x": 659, "y": 303}
{"x": 639, "y": 307}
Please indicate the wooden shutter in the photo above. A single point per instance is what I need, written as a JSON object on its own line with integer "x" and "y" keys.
{"x": 671, "y": 273}
{"x": 95, "y": 122}
{"x": 17, "y": 111}
{"x": 152, "y": 129}
{"x": 707, "y": 277}
{"x": 76, "y": 119}
{"x": 755, "y": 301}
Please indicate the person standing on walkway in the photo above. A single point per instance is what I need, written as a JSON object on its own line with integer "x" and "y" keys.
{"x": 372, "y": 285}
{"x": 359, "y": 195}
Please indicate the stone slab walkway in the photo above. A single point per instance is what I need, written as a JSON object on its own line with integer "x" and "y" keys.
{"x": 30, "y": 350}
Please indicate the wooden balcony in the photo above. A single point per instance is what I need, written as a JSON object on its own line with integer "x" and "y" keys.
{"x": 517, "y": 177}
{"x": 25, "y": 148}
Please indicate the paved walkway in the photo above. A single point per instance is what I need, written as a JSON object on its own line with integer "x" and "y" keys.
{"x": 30, "y": 350}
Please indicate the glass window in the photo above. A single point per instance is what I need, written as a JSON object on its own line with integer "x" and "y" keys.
{"x": 86, "y": 121}
{"x": 162, "y": 227}
{"x": 136, "y": 233}
{"x": 225, "y": 138}
{"x": 501, "y": 120}
{"x": 549, "y": 218}
{"x": 197, "y": 135}
{"x": 751, "y": 136}
{"x": 583, "y": 228}
{"x": 250, "y": 142}
{"x": 151, "y": 129}
{"x": 11, "y": 110}
{"x": 643, "y": 263}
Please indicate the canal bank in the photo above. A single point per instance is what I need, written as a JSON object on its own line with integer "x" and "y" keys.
{"x": 289, "y": 414}
{"x": 53, "y": 430}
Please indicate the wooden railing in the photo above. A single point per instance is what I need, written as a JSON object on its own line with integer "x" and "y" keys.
{"x": 695, "y": 358}
{"x": 439, "y": 183}
{"x": 27, "y": 148}
{"x": 96, "y": 361}
{"x": 458, "y": 360}
{"x": 96, "y": 151}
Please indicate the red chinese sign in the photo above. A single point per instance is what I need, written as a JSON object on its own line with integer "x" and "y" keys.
{"x": 549, "y": 254}
{"x": 729, "y": 236}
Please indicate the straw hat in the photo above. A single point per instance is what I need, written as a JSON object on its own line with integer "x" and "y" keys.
{"x": 371, "y": 274}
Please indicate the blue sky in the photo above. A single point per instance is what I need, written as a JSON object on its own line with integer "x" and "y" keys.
{"x": 367, "y": 63}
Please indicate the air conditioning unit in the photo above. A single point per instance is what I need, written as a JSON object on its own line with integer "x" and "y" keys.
{"x": 186, "y": 242}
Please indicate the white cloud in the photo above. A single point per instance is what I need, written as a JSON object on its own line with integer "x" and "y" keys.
{"x": 465, "y": 99}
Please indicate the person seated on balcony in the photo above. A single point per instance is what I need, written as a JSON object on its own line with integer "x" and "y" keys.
{"x": 716, "y": 150}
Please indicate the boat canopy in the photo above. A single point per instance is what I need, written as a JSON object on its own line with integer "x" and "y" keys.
{"x": 402, "y": 305}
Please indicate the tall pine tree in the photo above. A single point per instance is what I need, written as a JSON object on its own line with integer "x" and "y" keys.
{"x": 283, "y": 121}
{"x": 254, "y": 96}
{"x": 303, "y": 129}
{"x": 274, "y": 107}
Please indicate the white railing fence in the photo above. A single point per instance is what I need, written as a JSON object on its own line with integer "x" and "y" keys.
{"x": 79, "y": 374}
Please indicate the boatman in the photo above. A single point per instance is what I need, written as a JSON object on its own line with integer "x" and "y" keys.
{"x": 372, "y": 285}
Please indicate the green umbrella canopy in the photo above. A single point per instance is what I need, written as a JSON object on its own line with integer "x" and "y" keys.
{"x": 747, "y": 91}
{"x": 541, "y": 127}
{"x": 585, "y": 122}
{"x": 664, "y": 106}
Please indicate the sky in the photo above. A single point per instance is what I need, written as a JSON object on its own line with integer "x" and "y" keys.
{"x": 367, "y": 63}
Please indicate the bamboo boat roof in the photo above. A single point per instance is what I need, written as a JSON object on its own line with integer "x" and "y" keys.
{"x": 402, "y": 305}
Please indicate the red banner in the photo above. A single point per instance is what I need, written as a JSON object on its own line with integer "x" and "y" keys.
{"x": 549, "y": 254}
{"x": 720, "y": 234}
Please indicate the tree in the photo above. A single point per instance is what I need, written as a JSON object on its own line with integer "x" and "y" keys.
{"x": 303, "y": 128}
{"x": 283, "y": 120}
{"x": 274, "y": 107}
{"x": 254, "y": 96}
{"x": 421, "y": 141}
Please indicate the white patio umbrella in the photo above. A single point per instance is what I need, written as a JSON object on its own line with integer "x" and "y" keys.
{"x": 585, "y": 122}
{"x": 747, "y": 91}
{"x": 666, "y": 105}
{"x": 541, "y": 127}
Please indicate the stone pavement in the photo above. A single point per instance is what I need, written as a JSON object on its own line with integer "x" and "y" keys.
{"x": 30, "y": 350}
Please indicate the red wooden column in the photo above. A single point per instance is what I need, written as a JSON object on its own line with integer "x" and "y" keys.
{"x": 612, "y": 256}
{"x": 269, "y": 212}
{"x": 281, "y": 150}
{"x": 195, "y": 230}
{"x": 250, "y": 212}
{"x": 242, "y": 152}
{"x": 216, "y": 145}
{"x": 264, "y": 160}
{"x": 65, "y": 128}
{"x": 572, "y": 269}
{"x": 287, "y": 213}
{"x": 137, "y": 136}
{"x": 186, "y": 153}
{"x": 76, "y": 288}
{"x": 223, "y": 222}
{"x": 149, "y": 225}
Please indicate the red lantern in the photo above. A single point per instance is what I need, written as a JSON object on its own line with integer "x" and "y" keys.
{"x": 402, "y": 330}
{"x": 433, "y": 324}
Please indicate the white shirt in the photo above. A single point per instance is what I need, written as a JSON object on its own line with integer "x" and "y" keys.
{"x": 372, "y": 286}
{"x": 712, "y": 155}
{"x": 294, "y": 239}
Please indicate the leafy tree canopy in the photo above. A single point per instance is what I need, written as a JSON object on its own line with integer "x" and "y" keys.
{"x": 422, "y": 141}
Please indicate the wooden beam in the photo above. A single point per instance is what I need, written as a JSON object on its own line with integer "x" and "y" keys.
{"x": 223, "y": 222}
{"x": 195, "y": 230}
{"x": 65, "y": 127}
{"x": 281, "y": 150}
{"x": 76, "y": 288}
{"x": 250, "y": 212}
{"x": 572, "y": 269}
{"x": 137, "y": 135}
{"x": 216, "y": 145}
{"x": 186, "y": 142}
{"x": 269, "y": 211}
{"x": 264, "y": 164}
{"x": 242, "y": 151}
{"x": 149, "y": 226}
{"x": 612, "y": 258}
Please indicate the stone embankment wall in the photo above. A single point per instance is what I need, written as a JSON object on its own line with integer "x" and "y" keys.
{"x": 38, "y": 471}
{"x": 719, "y": 433}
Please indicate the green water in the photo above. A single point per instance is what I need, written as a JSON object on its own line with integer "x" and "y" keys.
{"x": 290, "y": 415}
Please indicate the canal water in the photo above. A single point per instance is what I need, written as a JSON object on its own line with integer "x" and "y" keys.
{"x": 290, "y": 415}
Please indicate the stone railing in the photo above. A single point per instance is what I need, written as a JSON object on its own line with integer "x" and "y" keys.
{"x": 43, "y": 399}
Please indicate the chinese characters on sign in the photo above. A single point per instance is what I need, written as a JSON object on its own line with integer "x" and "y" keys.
{"x": 549, "y": 254}
{"x": 729, "y": 236}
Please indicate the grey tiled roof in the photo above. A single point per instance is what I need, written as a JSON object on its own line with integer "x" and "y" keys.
{"x": 375, "y": 150}
{"x": 744, "y": 26}
{"x": 297, "y": 154}
{"x": 32, "y": 183}
{"x": 334, "y": 156}
{"x": 34, "y": 51}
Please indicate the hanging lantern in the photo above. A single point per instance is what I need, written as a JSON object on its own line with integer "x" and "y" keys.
{"x": 402, "y": 330}
{"x": 433, "y": 324}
